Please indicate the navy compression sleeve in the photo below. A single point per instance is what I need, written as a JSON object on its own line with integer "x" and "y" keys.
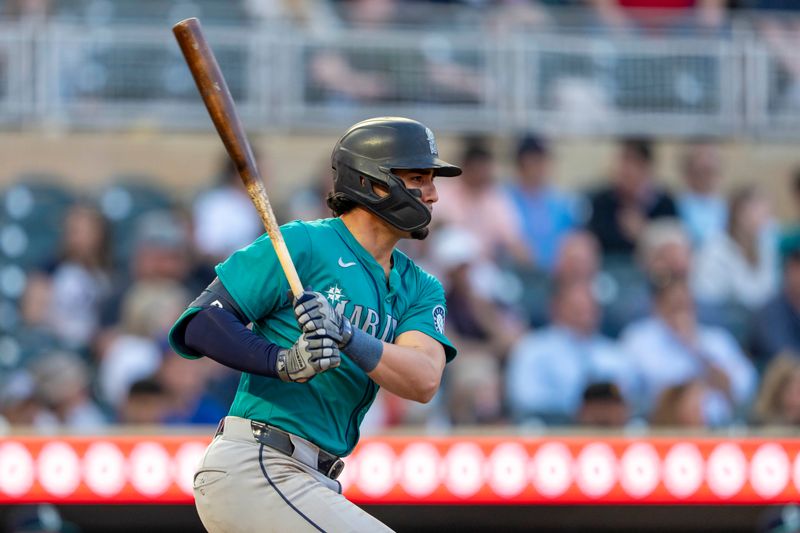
{"x": 219, "y": 335}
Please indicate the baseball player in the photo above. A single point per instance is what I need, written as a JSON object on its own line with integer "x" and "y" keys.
{"x": 311, "y": 366}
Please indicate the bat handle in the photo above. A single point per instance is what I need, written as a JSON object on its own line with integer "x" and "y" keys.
{"x": 288, "y": 267}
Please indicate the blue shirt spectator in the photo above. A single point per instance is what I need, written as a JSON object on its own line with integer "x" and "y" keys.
{"x": 546, "y": 215}
{"x": 671, "y": 348}
{"x": 704, "y": 216}
{"x": 702, "y": 208}
{"x": 776, "y": 327}
{"x": 549, "y": 370}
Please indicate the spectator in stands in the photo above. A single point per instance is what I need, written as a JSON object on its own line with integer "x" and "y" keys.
{"x": 578, "y": 258}
{"x": 776, "y": 327}
{"x": 483, "y": 328}
{"x": 313, "y": 16}
{"x": 656, "y": 17}
{"x": 473, "y": 390}
{"x": 224, "y": 217}
{"x": 433, "y": 71}
{"x": 701, "y": 205}
{"x": 133, "y": 351}
{"x": 34, "y": 333}
{"x": 338, "y": 79}
{"x": 777, "y": 27}
{"x": 28, "y": 10}
{"x": 663, "y": 253}
{"x": 577, "y": 261}
{"x": 80, "y": 281}
{"x": 779, "y": 398}
{"x": 620, "y": 211}
{"x": 603, "y": 406}
{"x": 740, "y": 266}
{"x": 146, "y": 403}
{"x": 19, "y": 403}
{"x": 161, "y": 253}
{"x": 664, "y": 250}
{"x": 545, "y": 213}
{"x": 476, "y": 203}
{"x": 549, "y": 370}
{"x": 473, "y": 287}
{"x": 186, "y": 385}
{"x": 671, "y": 348}
{"x": 682, "y": 405}
{"x": 63, "y": 383}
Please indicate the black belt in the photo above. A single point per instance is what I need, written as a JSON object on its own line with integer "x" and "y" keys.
{"x": 277, "y": 439}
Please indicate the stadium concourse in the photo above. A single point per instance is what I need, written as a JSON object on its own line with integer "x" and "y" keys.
{"x": 621, "y": 256}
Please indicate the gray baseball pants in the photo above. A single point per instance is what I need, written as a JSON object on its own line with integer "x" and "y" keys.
{"x": 243, "y": 486}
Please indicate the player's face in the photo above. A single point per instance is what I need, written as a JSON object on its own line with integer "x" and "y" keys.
{"x": 421, "y": 179}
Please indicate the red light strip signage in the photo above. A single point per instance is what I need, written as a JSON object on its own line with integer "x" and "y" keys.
{"x": 415, "y": 470}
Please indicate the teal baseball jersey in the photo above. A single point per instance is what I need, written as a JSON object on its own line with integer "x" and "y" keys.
{"x": 328, "y": 409}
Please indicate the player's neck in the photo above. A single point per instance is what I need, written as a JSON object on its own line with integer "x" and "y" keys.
{"x": 377, "y": 237}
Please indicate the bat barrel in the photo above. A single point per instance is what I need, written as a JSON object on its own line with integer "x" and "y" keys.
{"x": 216, "y": 95}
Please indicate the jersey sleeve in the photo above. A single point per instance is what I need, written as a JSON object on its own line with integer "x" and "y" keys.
{"x": 427, "y": 313}
{"x": 254, "y": 278}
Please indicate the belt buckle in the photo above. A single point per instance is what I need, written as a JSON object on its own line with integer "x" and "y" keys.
{"x": 336, "y": 469}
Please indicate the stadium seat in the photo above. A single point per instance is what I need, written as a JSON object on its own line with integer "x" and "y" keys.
{"x": 731, "y": 316}
{"x": 126, "y": 198}
{"x": 31, "y": 219}
{"x": 622, "y": 292}
{"x": 535, "y": 301}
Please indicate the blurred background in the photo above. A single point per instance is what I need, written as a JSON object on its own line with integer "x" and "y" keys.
{"x": 621, "y": 255}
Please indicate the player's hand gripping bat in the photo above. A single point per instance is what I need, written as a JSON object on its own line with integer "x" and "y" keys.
{"x": 219, "y": 103}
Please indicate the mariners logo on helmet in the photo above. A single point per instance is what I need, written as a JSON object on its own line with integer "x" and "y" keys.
{"x": 369, "y": 153}
{"x": 432, "y": 141}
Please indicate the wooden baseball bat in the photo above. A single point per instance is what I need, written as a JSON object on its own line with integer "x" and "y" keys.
{"x": 214, "y": 91}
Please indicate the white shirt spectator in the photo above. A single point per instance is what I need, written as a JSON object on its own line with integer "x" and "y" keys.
{"x": 664, "y": 361}
{"x": 723, "y": 275}
{"x": 76, "y": 295}
{"x": 549, "y": 369}
{"x": 225, "y": 220}
{"x": 128, "y": 359}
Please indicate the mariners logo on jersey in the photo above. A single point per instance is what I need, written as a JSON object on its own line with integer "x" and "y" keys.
{"x": 438, "y": 318}
{"x": 334, "y": 295}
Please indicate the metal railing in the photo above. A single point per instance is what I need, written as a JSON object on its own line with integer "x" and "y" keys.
{"x": 87, "y": 76}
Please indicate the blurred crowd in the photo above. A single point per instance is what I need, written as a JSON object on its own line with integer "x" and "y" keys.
{"x": 625, "y": 305}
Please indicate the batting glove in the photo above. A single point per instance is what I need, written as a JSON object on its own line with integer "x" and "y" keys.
{"x": 309, "y": 356}
{"x": 318, "y": 318}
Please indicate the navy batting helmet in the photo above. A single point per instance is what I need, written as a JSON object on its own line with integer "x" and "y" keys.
{"x": 368, "y": 153}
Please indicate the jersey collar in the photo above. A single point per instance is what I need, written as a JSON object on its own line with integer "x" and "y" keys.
{"x": 366, "y": 258}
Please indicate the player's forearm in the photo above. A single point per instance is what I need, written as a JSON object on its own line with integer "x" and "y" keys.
{"x": 219, "y": 335}
{"x": 408, "y": 372}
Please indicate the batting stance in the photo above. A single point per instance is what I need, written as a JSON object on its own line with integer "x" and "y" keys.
{"x": 273, "y": 463}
